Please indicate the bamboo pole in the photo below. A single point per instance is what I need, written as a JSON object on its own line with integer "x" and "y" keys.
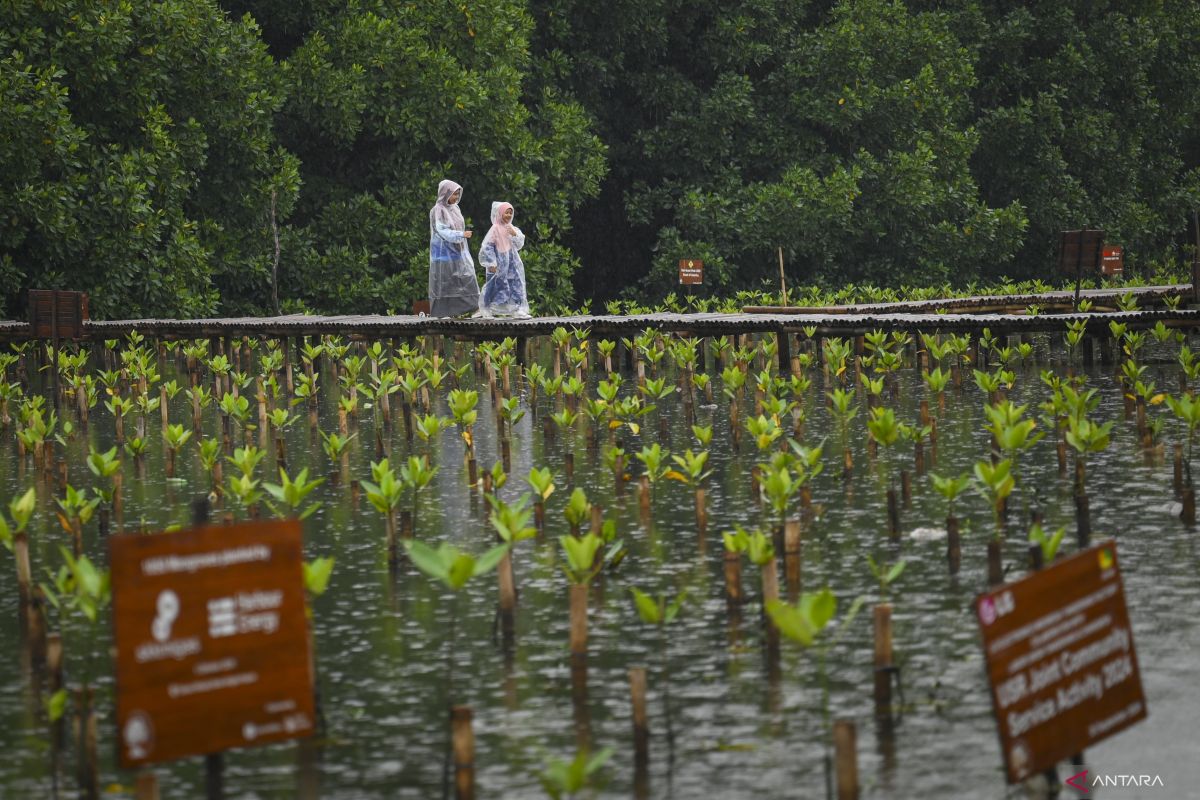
{"x": 845, "y": 750}
{"x": 641, "y": 730}
{"x": 464, "y": 752}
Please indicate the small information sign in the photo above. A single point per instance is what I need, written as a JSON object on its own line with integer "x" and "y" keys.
{"x": 691, "y": 271}
{"x": 212, "y": 642}
{"x": 1060, "y": 660}
{"x": 1112, "y": 260}
{"x": 420, "y": 308}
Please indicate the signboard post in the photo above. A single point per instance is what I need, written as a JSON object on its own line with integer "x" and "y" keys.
{"x": 691, "y": 272}
{"x": 1080, "y": 251}
{"x": 213, "y": 648}
{"x": 1060, "y": 660}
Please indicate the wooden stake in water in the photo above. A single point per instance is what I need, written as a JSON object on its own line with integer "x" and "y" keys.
{"x": 463, "y": 737}
{"x": 579, "y": 619}
{"x": 641, "y": 730}
{"x": 883, "y": 657}
{"x": 845, "y": 753}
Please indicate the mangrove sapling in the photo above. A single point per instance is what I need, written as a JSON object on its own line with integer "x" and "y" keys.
{"x": 210, "y": 460}
{"x": 453, "y": 568}
{"x": 175, "y": 438}
{"x": 758, "y": 548}
{"x": 291, "y": 494}
{"x": 385, "y": 492}
{"x": 804, "y": 622}
{"x": 542, "y": 484}
{"x": 1187, "y": 408}
{"x": 732, "y": 381}
{"x": 107, "y": 466}
{"x": 652, "y": 458}
{"x": 511, "y": 413}
{"x": 244, "y": 487}
{"x": 1085, "y": 436}
{"x": 661, "y": 613}
{"x": 416, "y": 474}
{"x": 511, "y": 522}
{"x": 884, "y": 667}
{"x": 996, "y": 483}
{"x": 582, "y": 565}
{"x": 1011, "y": 433}
{"x": 693, "y": 472}
{"x": 76, "y": 510}
{"x": 614, "y": 459}
{"x": 119, "y": 407}
{"x": 200, "y": 398}
{"x": 884, "y": 429}
{"x": 577, "y": 511}
{"x": 316, "y": 580}
{"x": 844, "y": 410}
{"x": 16, "y": 540}
{"x": 564, "y": 780}
{"x": 79, "y": 587}
{"x": 1043, "y": 547}
{"x": 951, "y": 488}
{"x": 462, "y": 406}
{"x": 280, "y": 420}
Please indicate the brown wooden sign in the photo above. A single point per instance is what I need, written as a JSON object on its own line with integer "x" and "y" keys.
{"x": 212, "y": 642}
{"x": 691, "y": 271}
{"x": 420, "y": 308}
{"x": 1079, "y": 251}
{"x": 57, "y": 314}
{"x": 1112, "y": 260}
{"x": 1060, "y": 660}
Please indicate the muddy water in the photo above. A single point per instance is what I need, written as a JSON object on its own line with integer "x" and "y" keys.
{"x": 390, "y": 659}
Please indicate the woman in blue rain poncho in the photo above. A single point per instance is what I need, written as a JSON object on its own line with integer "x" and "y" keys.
{"x": 504, "y": 285}
{"x": 453, "y": 287}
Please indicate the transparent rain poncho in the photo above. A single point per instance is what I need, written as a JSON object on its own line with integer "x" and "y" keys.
{"x": 504, "y": 287}
{"x": 453, "y": 287}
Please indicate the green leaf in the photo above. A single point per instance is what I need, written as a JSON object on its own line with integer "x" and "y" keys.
{"x": 428, "y": 560}
{"x": 647, "y": 607}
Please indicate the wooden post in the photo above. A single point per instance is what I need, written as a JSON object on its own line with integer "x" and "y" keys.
{"x": 579, "y": 621}
{"x": 845, "y": 749}
{"x": 641, "y": 730}
{"x": 953, "y": 544}
{"x": 733, "y": 578}
{"x": 883, "y": 657}
{"x": 464, "y": 752}
{"x": 995, "y": 562}
{"x": 791, "y": 557}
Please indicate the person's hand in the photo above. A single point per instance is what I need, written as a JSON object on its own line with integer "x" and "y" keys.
{"x": 512, "y": 231}
{"x": 466, "y": 234}
{"x": 490, "y": 270}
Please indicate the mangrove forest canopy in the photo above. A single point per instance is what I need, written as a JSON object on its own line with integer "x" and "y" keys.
{"x": 193, "y": 158}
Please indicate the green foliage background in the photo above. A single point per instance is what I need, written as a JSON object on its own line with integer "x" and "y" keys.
{"x": 151, "y": 151}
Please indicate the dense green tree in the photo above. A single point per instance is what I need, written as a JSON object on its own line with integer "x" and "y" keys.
{"x": 1087, "y": 112}
{"x": 387, "y": 98}
{"x": 842, "y": 135}
{"x": 137, "y": 156}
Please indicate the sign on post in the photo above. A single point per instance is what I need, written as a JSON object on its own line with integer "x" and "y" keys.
{"x": 691, "y": 271}
{"x": 1112, "y": 260}
{"x": 1060, "y": 660}
{"x": 213, "y": 647}
{"x": 56, "y": 314}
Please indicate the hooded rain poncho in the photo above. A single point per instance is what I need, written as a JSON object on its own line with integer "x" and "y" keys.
{"x": 453, "y": 287}
{"x": 504, "y": 288}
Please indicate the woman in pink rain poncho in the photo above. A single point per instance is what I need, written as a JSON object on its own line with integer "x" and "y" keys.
{"x": 504, "y": 286}
{"x": 453, "y": 287}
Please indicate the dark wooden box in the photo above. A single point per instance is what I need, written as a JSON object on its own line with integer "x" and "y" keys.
{"x": 55, "y": 314}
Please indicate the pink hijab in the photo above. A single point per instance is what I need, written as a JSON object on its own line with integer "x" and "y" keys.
{"x": 498, "y": 233}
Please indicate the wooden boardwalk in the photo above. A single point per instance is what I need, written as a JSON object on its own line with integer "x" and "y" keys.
{"x": 957, "y": 315}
